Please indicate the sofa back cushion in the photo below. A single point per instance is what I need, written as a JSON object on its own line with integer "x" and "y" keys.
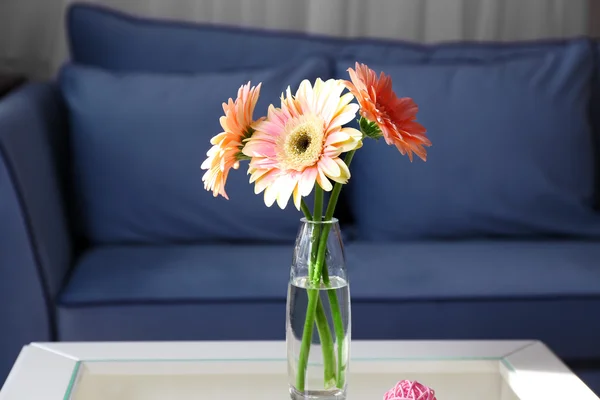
{"x": 141, "y": 44}
{"x": 138, "y": 140}
{"x": 131, "y": 43}
{"x": 512, "y": 151}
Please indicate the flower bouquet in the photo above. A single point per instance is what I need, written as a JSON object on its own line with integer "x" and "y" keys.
{"x": 297, "y": 148}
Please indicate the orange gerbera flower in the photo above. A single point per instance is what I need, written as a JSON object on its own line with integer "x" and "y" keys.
{"x": 226, "y": 151}
{"x": 396, "y": 117}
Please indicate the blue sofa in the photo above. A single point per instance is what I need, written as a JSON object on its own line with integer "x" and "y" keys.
{"x": 107, "y": 234}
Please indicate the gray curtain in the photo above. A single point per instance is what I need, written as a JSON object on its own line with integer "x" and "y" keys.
{"x": 32, "y": 34}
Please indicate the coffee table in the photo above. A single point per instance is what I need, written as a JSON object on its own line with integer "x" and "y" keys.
{"x": 457, "y": 370}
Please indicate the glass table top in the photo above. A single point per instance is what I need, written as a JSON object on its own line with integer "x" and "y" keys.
{"x": 475, "y": 379}
{"x": 456, "y": 370}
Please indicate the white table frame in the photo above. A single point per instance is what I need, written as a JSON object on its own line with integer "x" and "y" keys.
{"x": 48, "y": 370}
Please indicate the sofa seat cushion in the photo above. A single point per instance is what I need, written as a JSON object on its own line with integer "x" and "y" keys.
{"x": 210, "y": 274}
{"x": 177, "y": 293}
{"x": 138, "y": 140}
{"x": 427, "y": 290}
{"x": 474, "y": 270}
{"x": 545, "y": 290}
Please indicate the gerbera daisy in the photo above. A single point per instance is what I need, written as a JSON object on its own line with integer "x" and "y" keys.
{"x": 396, "y": 117}
{"x": 301, "y": 142}
{"x": 226, "y": 151}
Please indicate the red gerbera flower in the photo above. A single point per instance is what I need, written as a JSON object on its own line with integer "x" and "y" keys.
{"x": 396, "y": 117}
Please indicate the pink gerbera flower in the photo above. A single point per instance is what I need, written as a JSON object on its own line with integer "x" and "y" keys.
{"x": 226, "y": 151}
{"x": 301, "y": 143}
{"x": 396, "y": 117}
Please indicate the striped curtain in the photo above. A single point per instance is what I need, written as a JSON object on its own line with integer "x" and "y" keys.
{"x": 32, "y": 33}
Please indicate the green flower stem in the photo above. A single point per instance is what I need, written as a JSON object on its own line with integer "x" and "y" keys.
{"x": 317, "y": 217}
{"x": 335, "y": 194}
{"x": 329, "y": 370}
{"x": 307, "y": 332}
{"x": 338, "y": 323}
{"x": 338, "y": 327}
{"x": 321, "y": 319}
{"x": 315, "y": 274}
{"x": 318, "y": 209}
{"x": 315, "y": 312}
{"x": 305, "y": 210}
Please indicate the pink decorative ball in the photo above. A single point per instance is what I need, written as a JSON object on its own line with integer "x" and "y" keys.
{"x": 409, "y": 390}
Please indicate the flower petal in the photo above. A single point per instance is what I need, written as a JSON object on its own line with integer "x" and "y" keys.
{"x": 297, "y": 198}
{"x": 271, "y": 194}
{"x": 307, "y": 180}
{"x": 323, "y": 181}
{"x": 345, "y": 112}
{"x": 344, "y": 170}
{"x": 265, "y": 181}
{"x": 329, "y": 167}
{"x": 223, "y": 155}
{"x": 354, "y": 140}
{"x": 395, "y": 116}
{"x": 338, "y": 136}
{"x": 285, "y": 187}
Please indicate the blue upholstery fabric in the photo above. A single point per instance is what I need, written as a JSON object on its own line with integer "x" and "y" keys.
{"x": 204, "y": 273}
{"x": 595, "y": 116}
{"x": 177, "y": 293}
{"x": 141, "y": 44}
{"x": 591, "y": 378}
{"x": 138, "y": 142}
{"x": 35, "y": 247}
{"x": 512, "y": 152}
{"x": 479, "y": 290}
{"x": 456, "y": 290}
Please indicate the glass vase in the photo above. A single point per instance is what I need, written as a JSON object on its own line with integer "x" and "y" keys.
{"x": 318, "y": 314}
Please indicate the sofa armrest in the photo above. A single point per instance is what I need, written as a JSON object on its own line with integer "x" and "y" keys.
{"x": 35, "y": 243}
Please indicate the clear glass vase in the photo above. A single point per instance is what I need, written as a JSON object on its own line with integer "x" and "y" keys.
{"x": 318, "y": 314}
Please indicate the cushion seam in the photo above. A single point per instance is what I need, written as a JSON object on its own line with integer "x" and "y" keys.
{"x": 273, "y": 300}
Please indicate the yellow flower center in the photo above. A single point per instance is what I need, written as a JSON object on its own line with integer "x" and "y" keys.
{"x": 301, "y": 144}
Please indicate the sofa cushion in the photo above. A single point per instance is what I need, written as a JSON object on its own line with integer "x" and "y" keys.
{"x": 177, "y": 293}
{"x": 449, "y": 290}
{"x": 144, "y": 44}
{"x": 138, "y": 140}
{"x": 591, "y": 378}
{"x": 595, "y": 116}
{"x": 512, "y": 152}
{"x": 141, "y": 44}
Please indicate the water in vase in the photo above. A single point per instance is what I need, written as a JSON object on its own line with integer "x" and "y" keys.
{"x": 328, "y": 356}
